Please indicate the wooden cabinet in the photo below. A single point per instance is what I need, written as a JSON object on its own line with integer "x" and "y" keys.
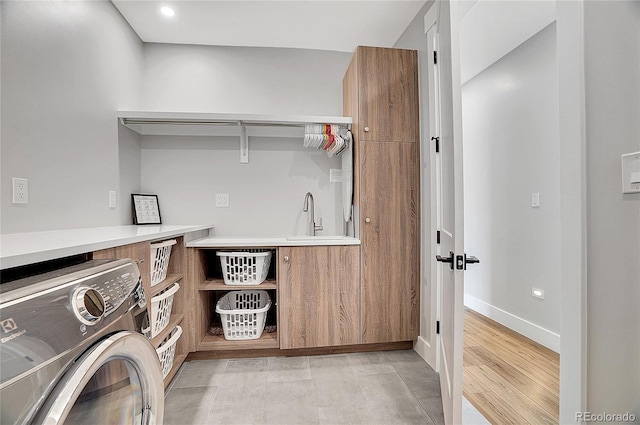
{"x": 319, "y": 296}
{"x": 208, "y": 286}
{"x": 389, "y": 235}
{"x": 381, "y": 88}
{"x": 175, "y": 273}
{"x": 380, "y": 93}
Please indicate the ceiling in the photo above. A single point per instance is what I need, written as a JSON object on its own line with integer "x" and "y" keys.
{"x": 307, "y": 24}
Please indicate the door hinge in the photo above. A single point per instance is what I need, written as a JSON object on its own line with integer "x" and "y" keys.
{"x": 438, "y": 236}
{"x": 437, "y": 140}
{"x": 435, "y": 57}
{"x": 437, "y": 327}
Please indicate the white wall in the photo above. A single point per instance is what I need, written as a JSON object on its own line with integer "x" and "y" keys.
{"x": 243, "y": 79}
{"x": 490, "y": 29}
{"x": 66, "y": 68}
{"x": 266, "y": 195}
{"x": 612, "y": 74}
{"x": 511, "y": 149}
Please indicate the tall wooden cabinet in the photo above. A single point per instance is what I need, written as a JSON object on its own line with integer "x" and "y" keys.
{"x": 380, "y": 92}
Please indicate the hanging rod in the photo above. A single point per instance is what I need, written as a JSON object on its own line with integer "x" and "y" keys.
{"x": 137, "y": 121}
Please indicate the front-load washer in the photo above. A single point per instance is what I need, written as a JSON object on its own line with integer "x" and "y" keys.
{"x": 71, "y": 351}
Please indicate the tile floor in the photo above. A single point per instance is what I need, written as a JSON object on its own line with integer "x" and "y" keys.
{"x": 389, "y": 387}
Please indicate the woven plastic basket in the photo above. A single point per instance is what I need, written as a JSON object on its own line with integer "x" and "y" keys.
{"x": 160, "y": 254}
{"x": 167, "y": 350}
{"x": 160, "y": 311}
{"x": 243, "y": 314}
{"x": 244, "y": 268}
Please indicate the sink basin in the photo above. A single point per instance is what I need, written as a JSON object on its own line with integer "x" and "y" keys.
{"x": 317, "y": 238}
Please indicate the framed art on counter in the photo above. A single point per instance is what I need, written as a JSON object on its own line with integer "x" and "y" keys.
{"x": 145, "y": 209}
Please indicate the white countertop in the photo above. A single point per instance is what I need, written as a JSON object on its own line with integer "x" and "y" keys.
{"x": 18, "y": 249}
{"x": 248, "y": 241}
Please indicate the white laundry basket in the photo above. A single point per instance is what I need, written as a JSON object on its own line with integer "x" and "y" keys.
{"x": 243, "y": 314}
{"x": 160, "y": 254}
{"x": 160, "y": 311}
{"x": 245, "y": 268}
{"x": 167, "y": 350}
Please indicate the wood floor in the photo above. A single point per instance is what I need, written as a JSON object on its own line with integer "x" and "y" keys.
{"x": 509, "y": 378}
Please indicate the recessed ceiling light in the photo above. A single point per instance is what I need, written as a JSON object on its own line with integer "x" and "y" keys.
{"x": 167, "y": 11}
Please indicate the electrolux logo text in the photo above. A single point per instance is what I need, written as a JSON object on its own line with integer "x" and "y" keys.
{"x": 8, "y": 326}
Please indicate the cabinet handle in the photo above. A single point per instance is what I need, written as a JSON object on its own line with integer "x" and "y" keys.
{"x": 367, "y": 220}
{"x": 286, "y": 258}
{"x": 366, "y": 129}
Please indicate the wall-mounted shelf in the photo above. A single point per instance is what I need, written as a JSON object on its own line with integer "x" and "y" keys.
{"x": 209, "y": 124}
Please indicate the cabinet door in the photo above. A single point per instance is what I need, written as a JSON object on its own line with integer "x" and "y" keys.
{"x": 389, "y": 234}
{"x": 318, "y": 296}
{"x": 387, "y": 93}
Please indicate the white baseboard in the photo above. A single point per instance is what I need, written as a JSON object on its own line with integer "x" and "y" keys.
{"x": 421, "y": 346}
{"x": 532, "y": 331}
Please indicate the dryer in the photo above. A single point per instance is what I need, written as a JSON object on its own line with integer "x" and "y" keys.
{"x": 71, "y": 351}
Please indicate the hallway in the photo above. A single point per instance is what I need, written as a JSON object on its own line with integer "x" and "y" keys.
{"x": 507, "y": 377}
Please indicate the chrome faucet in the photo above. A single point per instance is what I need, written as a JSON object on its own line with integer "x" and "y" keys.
{"x": 311, "y": 227}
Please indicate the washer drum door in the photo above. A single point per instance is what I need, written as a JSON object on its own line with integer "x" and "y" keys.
{"x": 118, "y": 380}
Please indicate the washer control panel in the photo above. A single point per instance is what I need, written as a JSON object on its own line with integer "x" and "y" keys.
{"x": 88, "y": 305}
{"x": 104, "y": 294}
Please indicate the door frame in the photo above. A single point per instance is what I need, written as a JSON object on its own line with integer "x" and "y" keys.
{"x": 428, "y": 343}
{"x": 573, "y": 346}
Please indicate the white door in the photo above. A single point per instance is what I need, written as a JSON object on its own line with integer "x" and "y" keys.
{"x": 449, "y": 210}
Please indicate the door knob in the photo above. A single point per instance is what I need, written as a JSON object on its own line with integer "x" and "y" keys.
{"x": 286, "y": 258}
{"x": 470, "y": 260}
{"x": 366, "y": 129}
{"x": 367, "y": 220}
{"x": 448, "y": 259}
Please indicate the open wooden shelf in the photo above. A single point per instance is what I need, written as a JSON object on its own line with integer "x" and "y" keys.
{"x": 178, "y": 359}
{"x": 218, "y": 285}
{"x": 217, "y": 342}
{"x": 174, "y": 320}
{"x": 168, "y": 281}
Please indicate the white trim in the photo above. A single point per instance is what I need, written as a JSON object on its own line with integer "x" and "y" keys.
{"x": 424, "y": 350}
{"x": 524, "y": 327}
{"x": 431, "y": 17}
{"x": 573, "y": 296}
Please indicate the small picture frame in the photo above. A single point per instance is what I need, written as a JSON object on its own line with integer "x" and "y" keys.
{"x": 145, "y": 209}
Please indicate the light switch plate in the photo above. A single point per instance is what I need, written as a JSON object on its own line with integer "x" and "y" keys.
{"x": 113, "y": 199}
{"x": 535, "y": 199}
{"x": 631, "y": 173}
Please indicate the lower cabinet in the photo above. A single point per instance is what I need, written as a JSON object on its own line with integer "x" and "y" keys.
{"x": 318, "y": 296}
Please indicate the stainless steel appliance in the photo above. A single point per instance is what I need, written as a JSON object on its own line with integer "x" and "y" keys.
{"x": 70, "y": 351}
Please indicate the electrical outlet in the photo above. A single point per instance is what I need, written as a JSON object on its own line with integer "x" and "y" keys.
{"x": 222, "y": 200}
{"x": 113, "y": 200}
{"x": 20, "y": 190}
{"x": 335, "y": 175}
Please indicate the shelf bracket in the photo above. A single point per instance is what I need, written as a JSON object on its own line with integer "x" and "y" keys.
{"x": 244, "y": 144}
